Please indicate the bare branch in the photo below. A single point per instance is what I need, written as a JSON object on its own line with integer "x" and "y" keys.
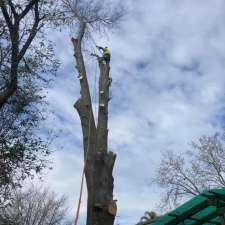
{"x": 99, "y": 15}
{"x": 12, "y": 7}
{"x": 34, "y": 207}
{"x": 28, "y": 8}
{"x": 186, "y": 175}
{"x": 6, "y": 15}
{"x": 33, "y": 32}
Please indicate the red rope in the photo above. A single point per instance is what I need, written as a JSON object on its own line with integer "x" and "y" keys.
{"x": 86, "y": 157}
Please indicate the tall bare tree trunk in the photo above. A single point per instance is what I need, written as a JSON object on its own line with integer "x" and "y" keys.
{"x": 101, "y": 208}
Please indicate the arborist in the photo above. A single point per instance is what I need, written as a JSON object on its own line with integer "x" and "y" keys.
{"x": 105, "y": 54}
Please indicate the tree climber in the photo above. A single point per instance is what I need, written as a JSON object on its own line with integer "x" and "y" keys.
{"x": 105, "y": 54}
{"x": 105, "y": 57}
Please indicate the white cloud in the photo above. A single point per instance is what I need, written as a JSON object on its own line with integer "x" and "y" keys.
{"x": 168, "y": 89}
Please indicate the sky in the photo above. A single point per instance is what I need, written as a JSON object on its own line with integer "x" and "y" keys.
{"x": 168, "y": 64}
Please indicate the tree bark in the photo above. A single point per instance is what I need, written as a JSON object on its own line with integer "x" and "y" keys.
{"x": 99, "y": 162}
{"x": 14, "y": 35}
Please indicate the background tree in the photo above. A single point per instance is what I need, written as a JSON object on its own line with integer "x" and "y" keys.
{"x": 26, "y": 56}
{"x": 20, "y": 23}
{"x": 188, "y": 174}
{"x": 22, "y": 152}
{"x": 90, "y": 16}
{"x": 34, "y": 207}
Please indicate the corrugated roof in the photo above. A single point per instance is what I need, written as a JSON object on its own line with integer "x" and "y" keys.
{"x": 208, "y": 208}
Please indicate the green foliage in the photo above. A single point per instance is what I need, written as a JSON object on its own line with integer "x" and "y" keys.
{"x": 22, "y": 152}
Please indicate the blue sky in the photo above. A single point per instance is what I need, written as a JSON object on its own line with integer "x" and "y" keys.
{"x": 168, "y": 64}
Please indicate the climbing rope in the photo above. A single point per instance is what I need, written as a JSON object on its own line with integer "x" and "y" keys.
{"x": 95, "y": 90}
{"x": 94, "y": 96}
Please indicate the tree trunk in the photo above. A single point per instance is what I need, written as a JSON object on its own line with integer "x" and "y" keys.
{"x": 12, "y": 86}
{"x": 99, "y": 162}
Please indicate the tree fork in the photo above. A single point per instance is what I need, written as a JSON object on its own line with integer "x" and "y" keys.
{"x": 99, "y": 162}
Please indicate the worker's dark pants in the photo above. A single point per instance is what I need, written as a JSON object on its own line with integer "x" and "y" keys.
{"x": 106, "y": 57}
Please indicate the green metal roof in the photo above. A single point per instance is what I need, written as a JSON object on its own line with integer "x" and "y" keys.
{"x": 208, "y": 208}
